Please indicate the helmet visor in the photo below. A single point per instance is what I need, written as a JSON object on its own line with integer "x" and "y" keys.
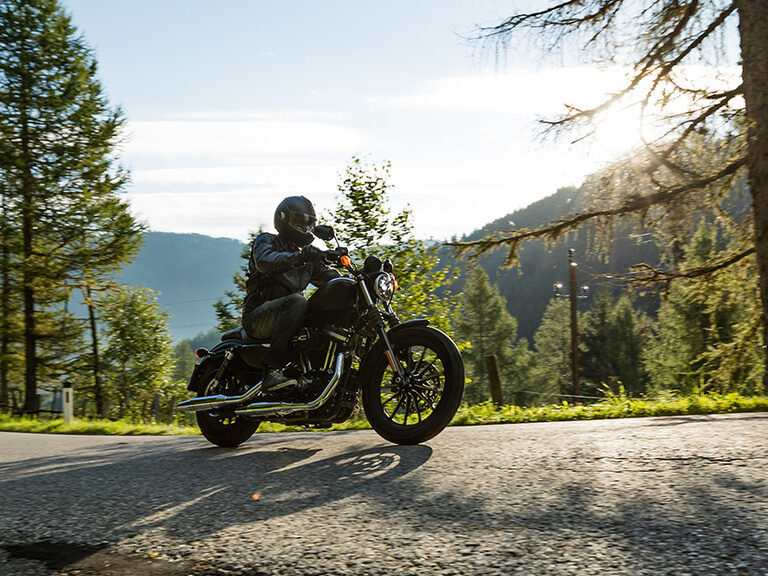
{"x": 302, "y": 221}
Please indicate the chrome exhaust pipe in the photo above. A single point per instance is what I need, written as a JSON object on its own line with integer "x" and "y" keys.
{"x": 285, "y": 408}
{"x": 217, "y": 401}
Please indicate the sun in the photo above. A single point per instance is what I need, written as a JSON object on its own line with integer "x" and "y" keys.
{"x": 618, "y": 133}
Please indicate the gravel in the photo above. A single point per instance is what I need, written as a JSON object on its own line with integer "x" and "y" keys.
{"x": 656, "y": 496}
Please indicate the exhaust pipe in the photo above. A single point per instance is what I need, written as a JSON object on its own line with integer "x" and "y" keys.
{"x": 217, "y": 401}
{"x": 284, "y": 408}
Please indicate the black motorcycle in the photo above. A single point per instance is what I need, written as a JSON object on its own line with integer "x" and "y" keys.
{"x": 411, "y": 375}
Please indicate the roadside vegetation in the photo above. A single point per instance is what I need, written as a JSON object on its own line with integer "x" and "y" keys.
{"x": 614, "y": 406}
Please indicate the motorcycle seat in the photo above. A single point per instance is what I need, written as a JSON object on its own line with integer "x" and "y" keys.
{"x": 239, "y": 333}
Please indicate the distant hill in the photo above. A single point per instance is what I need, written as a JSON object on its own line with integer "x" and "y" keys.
{"x": 529, "y": 287}
{"x": 190, "y": 271}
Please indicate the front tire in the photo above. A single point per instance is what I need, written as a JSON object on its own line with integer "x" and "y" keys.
{"x": 419, "y": 409}
{"x": 223, "y": 427}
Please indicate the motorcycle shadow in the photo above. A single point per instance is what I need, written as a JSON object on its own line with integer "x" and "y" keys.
{"x": 126, "y": 489}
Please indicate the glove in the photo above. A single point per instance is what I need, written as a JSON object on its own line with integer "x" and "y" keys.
{"x": 311, "y": 254}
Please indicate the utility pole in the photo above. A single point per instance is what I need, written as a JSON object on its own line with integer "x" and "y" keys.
{"x": 574, "y": 323}
{"x": 574, "y": 293}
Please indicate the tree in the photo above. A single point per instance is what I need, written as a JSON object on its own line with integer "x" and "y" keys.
{"x": 138, "y": 351}
{"x": 363, "y": 222}
{"x": 707, "y": 336}
{"x": 707, "y": 147}
{"x": 229, "y": 310}
{"x": 613, "y": 337}
{"x": 483, "y": 320}
{"x": 552, "y": 340}
{"x": 57, "y": 139}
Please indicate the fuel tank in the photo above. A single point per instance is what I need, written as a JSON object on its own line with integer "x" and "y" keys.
{"x": 337, "y": 296}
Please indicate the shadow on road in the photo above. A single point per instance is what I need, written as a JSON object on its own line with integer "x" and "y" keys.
{"x": 124, "y": 489}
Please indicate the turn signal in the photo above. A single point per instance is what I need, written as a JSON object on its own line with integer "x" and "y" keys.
{"x": 397, "y": 286}
{"x": 345, "y": 260}
{"x": 201, "y": 353}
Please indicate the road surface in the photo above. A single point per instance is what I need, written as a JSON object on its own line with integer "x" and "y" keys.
{"x": 678, "y": 495}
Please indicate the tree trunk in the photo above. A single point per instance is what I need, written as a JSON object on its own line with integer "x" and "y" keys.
{"x": 5, "y": 311}
{"x": 753, "y": 28}
{"x": 28, "y": 278}
{"x": 98, "y": 391}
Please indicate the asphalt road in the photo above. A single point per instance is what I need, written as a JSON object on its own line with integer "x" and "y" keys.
{"x": 681, "y": 495}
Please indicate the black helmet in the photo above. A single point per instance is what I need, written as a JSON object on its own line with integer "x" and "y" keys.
{"x": 295, "y": 220}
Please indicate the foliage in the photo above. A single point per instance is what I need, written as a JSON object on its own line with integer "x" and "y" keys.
{"x": 229, "y": 310}
{"x": 552, "y": 340}
{"x": 614, "y": 406}
{"x": 64, "y": 223}
{"x": 364, "y": 223}
{"x": 618, "y": 407}
{"x": 715, "y": 133}
{"x": 483, "y": 321}
{"x": 138, "y": 352}
{"x": 95, "y": 427}
{"x": 613, "y": 337}
{"x": 707, "y": 336}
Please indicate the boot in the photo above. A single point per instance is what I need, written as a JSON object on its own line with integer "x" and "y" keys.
{"x": 275, "y": 380}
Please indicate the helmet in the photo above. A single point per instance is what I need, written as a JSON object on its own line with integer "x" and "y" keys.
{"x": 295, "y": 220}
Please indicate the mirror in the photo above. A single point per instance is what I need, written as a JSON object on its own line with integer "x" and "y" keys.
{"x": 324, "y": 232}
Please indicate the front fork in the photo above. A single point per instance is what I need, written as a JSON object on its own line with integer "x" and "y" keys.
{"x": 381, "y": 328}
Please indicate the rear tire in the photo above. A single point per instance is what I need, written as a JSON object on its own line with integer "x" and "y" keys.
{"x": 223, "y": 427}
{"x": 430, "y": 401}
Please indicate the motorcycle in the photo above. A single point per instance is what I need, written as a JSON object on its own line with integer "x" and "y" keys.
{"x": 352, "y": 345}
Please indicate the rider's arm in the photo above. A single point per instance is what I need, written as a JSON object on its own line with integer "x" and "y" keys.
{"x": 321, "y": 274}
{"x": 269, "y": 260}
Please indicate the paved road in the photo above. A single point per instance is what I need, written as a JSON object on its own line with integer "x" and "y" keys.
{"x": 683, "y": 495}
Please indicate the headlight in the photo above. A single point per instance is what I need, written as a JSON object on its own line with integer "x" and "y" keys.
{"x": 385, "y": 286}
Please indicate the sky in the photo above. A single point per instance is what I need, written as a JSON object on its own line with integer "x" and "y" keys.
{"x": 233, "y": 105}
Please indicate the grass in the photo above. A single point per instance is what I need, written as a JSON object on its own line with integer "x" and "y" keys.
{"x": 97, "y": 427}
{"x": 619, "y": 406}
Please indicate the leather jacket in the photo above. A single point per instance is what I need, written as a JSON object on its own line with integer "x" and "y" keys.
{"x": 276, "y": 269}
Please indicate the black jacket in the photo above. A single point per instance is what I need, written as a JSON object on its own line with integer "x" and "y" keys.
{"x": 276, "y": 269}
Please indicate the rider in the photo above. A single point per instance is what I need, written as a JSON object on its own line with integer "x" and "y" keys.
{"x": 279, "y": 269}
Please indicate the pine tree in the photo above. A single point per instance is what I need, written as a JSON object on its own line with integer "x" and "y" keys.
{"x": 714, "y": 136}
{"x": 552, "y": 340}
{"x": 482, "y": 320}
{"x": 229, "y": 310}
{"x": 613, "y": 338}
{"x": 57, "y": 139}
{"x": 707, "y": 335}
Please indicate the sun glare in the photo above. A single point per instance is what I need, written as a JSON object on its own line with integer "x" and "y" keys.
{"x": 618, "y": 133}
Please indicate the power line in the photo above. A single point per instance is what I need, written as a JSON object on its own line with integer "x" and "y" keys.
{"x": 190, "y": 301}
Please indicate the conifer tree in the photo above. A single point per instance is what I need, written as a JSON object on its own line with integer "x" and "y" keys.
{"x": 552, "y": 340}
{"x": 482, "y": 320}
{"x": 613, "y": 337}
{"x": 707, "y": 335}
{"x": 57, "y": 139}
{"x": 715, "y": 134}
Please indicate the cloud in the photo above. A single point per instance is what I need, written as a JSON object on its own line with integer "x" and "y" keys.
{"x": 538, "y": 92}
{"x": 239, "y": 139}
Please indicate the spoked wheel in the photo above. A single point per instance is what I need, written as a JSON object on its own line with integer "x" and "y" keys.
{"x": 222, "y": 426}
{"x": 418, "y": 406}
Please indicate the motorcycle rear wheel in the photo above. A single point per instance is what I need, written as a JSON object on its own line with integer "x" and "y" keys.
{"x": 418, "y": 410}
{"x": 222, "y": 427}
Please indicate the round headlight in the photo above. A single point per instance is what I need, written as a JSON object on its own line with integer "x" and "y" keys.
{"x": 385, "y": 286}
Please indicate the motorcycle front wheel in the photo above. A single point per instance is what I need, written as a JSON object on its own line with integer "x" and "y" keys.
{"x": 223, "y": 427}
{"x": 417, "y": 408}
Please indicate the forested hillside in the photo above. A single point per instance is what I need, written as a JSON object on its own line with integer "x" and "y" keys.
{"x": 529, "y": 287}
